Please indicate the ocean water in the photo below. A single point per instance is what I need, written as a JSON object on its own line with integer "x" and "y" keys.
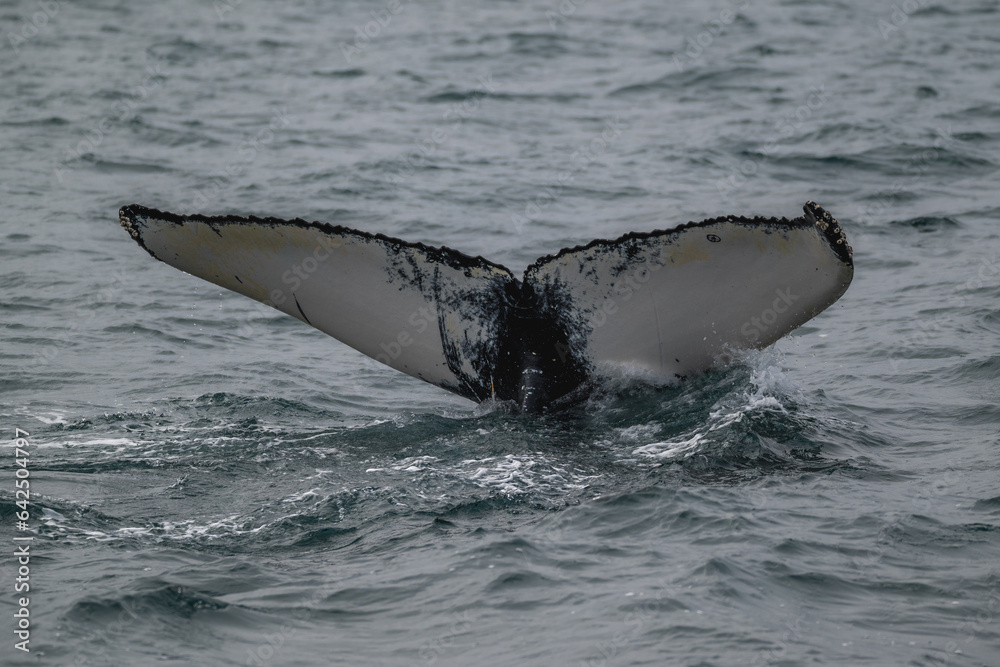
{"x": 218, "y": 484}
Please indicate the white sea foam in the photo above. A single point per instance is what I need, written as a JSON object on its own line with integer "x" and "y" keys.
{"x": 515, "y": 474}
{"x": 767, "y": 386}
{"x": 681, "y": 447}
{"x": 414, "y": 463}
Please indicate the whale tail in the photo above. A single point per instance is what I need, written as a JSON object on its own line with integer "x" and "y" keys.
{"x": 670, "y": 302}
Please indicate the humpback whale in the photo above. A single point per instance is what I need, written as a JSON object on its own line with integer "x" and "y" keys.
{"x": 670, "y": 302}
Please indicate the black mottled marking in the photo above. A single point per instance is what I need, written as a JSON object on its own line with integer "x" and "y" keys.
{"x": 563, "y": 328}
{"x": 713, "y": 238}
{"x": 516, "y": 353}
{"x": 546, "y": 360}
{"x": 302, "y": 312}
{"x": 465, "y": 347}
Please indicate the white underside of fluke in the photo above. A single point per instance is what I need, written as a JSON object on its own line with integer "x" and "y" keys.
{"x": 667, "y": 302}
{"x": 391, "y": 301}
{"x": 674, "y": 303}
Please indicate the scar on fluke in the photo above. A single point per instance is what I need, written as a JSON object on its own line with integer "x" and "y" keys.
{"x": 301, "y": 312}
{"x": 691, "y": 294}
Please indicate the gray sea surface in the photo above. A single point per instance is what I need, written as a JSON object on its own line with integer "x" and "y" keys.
{"x": 214, "y": 483}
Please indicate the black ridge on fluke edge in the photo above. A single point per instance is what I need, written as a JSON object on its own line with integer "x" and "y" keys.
{"x": 533, "y": 359}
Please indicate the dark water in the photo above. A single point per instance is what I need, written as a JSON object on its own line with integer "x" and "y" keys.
{"x": 222, "y": 485}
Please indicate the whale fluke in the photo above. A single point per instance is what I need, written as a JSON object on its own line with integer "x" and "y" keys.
{"x": 670, "y": 302}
